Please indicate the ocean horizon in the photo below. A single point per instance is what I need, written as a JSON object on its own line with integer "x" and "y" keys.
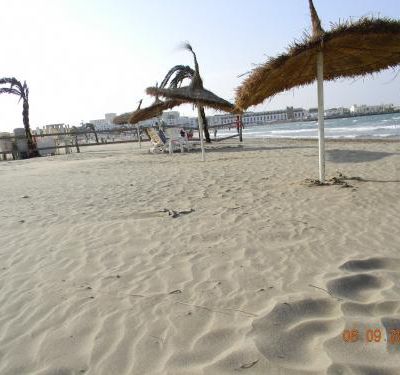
{"x": 374, "y": 126}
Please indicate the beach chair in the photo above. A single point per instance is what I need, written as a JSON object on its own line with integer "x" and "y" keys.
{"x": 174, "y": 134}
{"x": 160, "y": 142}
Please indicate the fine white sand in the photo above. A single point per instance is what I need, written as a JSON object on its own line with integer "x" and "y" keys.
{"x": 259, "y": 273}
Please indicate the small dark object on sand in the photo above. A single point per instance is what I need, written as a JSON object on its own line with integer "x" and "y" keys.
{"x": 174, "y": 214}
{"x": 176, "y": 291}
{"x": 248, "y": 365}
{"x": 340, "y": 179}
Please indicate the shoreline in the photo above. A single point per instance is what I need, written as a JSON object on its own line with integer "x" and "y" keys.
{"x": 329, "y": 140}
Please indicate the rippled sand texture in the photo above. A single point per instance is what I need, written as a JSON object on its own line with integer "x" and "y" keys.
{"x": 116, "y": 261}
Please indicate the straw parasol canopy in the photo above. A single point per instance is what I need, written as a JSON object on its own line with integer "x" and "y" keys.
{"x": 154, "y": 110}
{"x": 193, "y": 93}
{"x": 196, "y": 94}
{"x": 122, "y": 119}
{"x": 350, "y": 49}
{"x": 149, "y": 112}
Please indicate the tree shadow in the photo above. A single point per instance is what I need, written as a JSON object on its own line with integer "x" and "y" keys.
{"x": 355, "y": 156}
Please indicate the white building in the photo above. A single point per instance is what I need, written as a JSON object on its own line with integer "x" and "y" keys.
{"x": 296, "y": 114}
{"x": 365, "y": 109}
{"x": 171, "y": 118}
{"x": 260, "y": 118}
{"x": 52, "y": 129}
{"x": 332, "y": 112}
{"x": 312, "y": 114}
{"x": 106, "y": 123}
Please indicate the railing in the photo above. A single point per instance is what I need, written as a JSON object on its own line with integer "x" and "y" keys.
{"x": 75, "y": 140}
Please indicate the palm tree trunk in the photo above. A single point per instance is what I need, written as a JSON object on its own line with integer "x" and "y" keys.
{"x": 32, "y": 150}
{"x": 205, "y": 125}
{"x": 95, "y": 135}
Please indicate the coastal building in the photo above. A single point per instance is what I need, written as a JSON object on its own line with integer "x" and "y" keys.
{"x": 296, "y": 114}
{"x": 171, "y": 118}
{"x": 260, "y": 118}
{"x": 52, "y": 129}
{"x": 366, "y": 109}
{"x": 106, "y": 123}
{"x": 337, "y": 112}
{"x": 190, "y": 122}
{"x": 312, "y": 114}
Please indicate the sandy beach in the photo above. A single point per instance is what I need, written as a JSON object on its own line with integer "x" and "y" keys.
{"x": 117, "y": 261}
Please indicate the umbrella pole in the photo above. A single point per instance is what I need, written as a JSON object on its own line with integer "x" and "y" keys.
{"x": 138, "y": 136}
{"x": 240, "y": 128}
{"x": 200, "y": 119}
{"x": 321, "y": 135}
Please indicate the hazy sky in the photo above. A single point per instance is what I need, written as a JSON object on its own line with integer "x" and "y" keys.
{"x": 83, "y": 58}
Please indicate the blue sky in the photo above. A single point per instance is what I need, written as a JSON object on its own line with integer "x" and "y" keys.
{"x": 83, "y": 58}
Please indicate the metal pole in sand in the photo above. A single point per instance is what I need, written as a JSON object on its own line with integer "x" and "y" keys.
{"x": 321, "y": 135}
{"x": 138, "y": 136}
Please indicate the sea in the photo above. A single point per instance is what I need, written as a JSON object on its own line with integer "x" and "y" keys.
{"x": 375, "y": 126}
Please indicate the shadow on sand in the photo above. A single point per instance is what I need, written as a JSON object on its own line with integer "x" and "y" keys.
{"x": 241, "y": 148}
{"x": 355, "y": 156}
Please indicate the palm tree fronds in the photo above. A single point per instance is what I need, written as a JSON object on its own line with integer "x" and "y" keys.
{"x": 16, "y": 88}
{"x": 188, "y": 94}
{"x": 187, "y": 73}
{"x": 188, "y": 47}
{"x": 183, "y": 71}
{"x": 6, "y": 90}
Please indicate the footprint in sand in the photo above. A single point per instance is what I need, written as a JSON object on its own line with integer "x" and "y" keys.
{"x": 371, "y": 264}
{"x": 359, "y": 287}
{"x": 363, "y": 284}
{"x": 374, "y": 309}
{"x": 368, "y": 307}
{"x": 292, "y": 333}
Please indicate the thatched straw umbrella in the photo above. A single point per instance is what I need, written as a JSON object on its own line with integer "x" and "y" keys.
{"x": 142, "y": 114}
{"x": 175, "y": 77}
{"x": 349, "y": 49}
{"x": 124, "y": 118}
{"x": 154, "y": 110}
{"x": 196, "y": 94}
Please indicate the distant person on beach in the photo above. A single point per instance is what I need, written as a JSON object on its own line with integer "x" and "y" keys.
{"x": 215, "y": 133}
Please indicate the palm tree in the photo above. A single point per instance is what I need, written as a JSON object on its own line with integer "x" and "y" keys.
{"x": 182, "y": 72}
{"x": 17, "y": 88}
